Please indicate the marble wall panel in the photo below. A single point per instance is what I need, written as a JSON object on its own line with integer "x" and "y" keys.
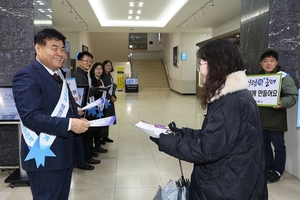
{"x": 17, "y": 39}
{"x": 271, "y": 24}
{"x": 17, "y": 32}
{"x": 254, "y": 39}
{"x": 284, "y": 30}
{"x": 288, "y": 5}
{"x": 9, "y": 145}
{"x": 16, "y": 3}
{"x": 11, "y": 61}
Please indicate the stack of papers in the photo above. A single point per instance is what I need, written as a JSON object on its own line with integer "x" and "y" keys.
{"x": 154, "y": 130}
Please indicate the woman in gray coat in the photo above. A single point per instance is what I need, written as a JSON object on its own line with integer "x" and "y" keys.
{"x": 227, "y": 152}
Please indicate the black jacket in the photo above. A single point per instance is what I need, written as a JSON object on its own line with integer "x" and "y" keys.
{"x": 227, "y": 153}
{"x": 81, "y": 77}
{"x": 108, "y": 80}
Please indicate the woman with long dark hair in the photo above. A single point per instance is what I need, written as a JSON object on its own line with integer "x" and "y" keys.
{"x": 110, "y": 95}
{"x": 227, "y": 152}
{"x": 96, "y": 93}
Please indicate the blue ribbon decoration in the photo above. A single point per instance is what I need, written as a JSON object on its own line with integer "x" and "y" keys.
{"x": 39, "y": 154}
{"x": 106, "y": 104}
{"x": 100, "y": 113}
{"x": 92, "y": 111}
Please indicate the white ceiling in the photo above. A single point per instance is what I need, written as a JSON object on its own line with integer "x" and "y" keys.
{"x": 223, "y": 11}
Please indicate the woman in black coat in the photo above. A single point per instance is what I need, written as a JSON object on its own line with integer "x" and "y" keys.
{"x": 110, "y": 95}
{"x": 95, "y": 92}
{"x": 227, "y": 152}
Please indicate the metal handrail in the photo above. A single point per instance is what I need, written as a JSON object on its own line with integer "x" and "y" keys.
{"x": 165, "y": 64}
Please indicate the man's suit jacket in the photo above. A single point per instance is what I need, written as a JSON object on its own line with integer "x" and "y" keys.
{"x": 81, "y": 77}
{"x": 36, "y": 94}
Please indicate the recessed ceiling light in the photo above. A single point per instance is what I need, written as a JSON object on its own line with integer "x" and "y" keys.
{"x": 138, "y": 12}
{"x": 131, "y": 4}
{"x": 137, "y": 17}
{"x": 98, "y": 7}
{"x": 129, "y": 17}
{"x": 141, "y": 4}
{"x": 130, "y": 11}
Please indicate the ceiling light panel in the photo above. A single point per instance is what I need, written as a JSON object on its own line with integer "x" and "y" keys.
{"x": 166, "y": 9}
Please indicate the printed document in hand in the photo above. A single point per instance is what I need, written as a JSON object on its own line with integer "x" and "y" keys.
{"x": 107, "y": 121}
{"x": 152, "y": 129}
{"x": 105, "y": 88}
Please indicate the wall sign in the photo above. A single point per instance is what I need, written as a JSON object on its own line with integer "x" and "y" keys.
{"x": 183, "y": 56}
{"x": 265, "y": 88}
{"x": 138, "y": 40}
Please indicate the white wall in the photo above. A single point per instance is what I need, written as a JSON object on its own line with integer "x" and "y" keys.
{"x": 170, "y": 41}
{"x": 183, "y": 76}
{"x": 189, "y": 66}
{"x": 154, "y": 38}
{"x": 292, "y": 142}
{"x": 73, "y": 37}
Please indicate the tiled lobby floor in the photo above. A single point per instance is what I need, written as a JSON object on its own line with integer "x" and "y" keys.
{"x": 133, "y": 167}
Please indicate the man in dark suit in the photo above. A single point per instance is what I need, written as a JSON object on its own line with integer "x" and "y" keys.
{"x": 85, "y": 60}
{"x": 51, "y": 143}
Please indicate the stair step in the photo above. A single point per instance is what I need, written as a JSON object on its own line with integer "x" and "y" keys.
{"x": 151, "y": 74}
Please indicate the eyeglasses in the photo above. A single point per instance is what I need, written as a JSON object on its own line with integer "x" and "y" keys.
{"x": 88, "y": 61}
{"x": 199, "y": 64}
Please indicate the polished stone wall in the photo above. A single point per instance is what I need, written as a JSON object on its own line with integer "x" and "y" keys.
{"x": 271, "y": 24}
{"x": 20, "y": 20}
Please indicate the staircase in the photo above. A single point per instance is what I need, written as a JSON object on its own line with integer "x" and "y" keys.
{"x": 151, "y": 74}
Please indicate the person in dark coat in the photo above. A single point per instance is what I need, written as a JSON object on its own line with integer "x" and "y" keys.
{"x": 228, "y": 151}
{"x": 110, "y": 96}
{"x": 85, "y": 60}
{"x": 95, "y": 92}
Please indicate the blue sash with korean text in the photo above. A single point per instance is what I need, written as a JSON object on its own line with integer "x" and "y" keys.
{"x": 39, "y": 145}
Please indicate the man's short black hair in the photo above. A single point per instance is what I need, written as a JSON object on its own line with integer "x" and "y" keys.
{"x": 269, "y": 53}
{"x": 84, "y": 53}
{"x": 48, "y": 34}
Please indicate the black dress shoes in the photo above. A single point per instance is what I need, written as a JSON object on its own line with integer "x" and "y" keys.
{"x": 102, "y": 142}
{"x": 95, "y": 154}
{"x": 93, "y": 161}
{"x": 101, "y": 150}
{"x": 87, "y": 167}
{"x": 107, "y": 140}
